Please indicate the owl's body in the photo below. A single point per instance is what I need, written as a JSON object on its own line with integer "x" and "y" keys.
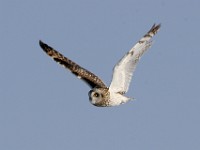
{"x": 101, "y": 95}
{"x": 104, "y": 97}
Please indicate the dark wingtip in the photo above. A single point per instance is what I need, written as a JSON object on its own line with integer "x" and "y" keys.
{"x": 158, "y": 26}
{"x": 40, "y": 42}
{"x": 42, "y": 45}
{"x": 155, "y": 28}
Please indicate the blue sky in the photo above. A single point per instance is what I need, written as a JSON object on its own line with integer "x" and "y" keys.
{"x": 43, "y": 106}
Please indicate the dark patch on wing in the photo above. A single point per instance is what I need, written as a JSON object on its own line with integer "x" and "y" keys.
{"x": 154, "y": 29}
{"x": 91, "y": 79}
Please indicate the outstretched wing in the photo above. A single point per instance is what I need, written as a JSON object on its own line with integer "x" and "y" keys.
{"x": 91, "y": 79}
{"x": 123, "y": 70}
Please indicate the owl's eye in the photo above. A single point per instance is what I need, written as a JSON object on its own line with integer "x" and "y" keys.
{"x": 96, "y": 94}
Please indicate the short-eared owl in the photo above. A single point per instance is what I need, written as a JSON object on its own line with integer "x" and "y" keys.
{"x": 100, "y": 95}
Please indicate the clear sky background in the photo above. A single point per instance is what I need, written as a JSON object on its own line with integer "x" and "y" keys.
{"x": 43, "y": 106}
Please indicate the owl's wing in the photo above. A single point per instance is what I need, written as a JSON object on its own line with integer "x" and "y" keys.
{"x": 123, "y": 70}
{"x": 91, "y": 79}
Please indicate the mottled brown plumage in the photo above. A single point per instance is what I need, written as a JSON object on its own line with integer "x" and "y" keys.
{"x": 87, "y": 76}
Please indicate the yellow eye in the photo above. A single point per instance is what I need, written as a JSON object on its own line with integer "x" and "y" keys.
{"x": 96, "y": 94}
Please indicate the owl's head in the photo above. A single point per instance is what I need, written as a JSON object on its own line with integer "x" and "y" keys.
{"x": 99, "y": 96}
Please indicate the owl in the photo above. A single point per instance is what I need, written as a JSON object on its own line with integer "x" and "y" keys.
{"x": 101, "y": 95}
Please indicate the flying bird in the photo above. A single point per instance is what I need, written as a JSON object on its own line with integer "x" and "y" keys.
{"x": 100, "y": 95}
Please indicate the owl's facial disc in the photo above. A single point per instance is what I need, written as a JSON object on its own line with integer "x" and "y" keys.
{"x": 94, "y": 96}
